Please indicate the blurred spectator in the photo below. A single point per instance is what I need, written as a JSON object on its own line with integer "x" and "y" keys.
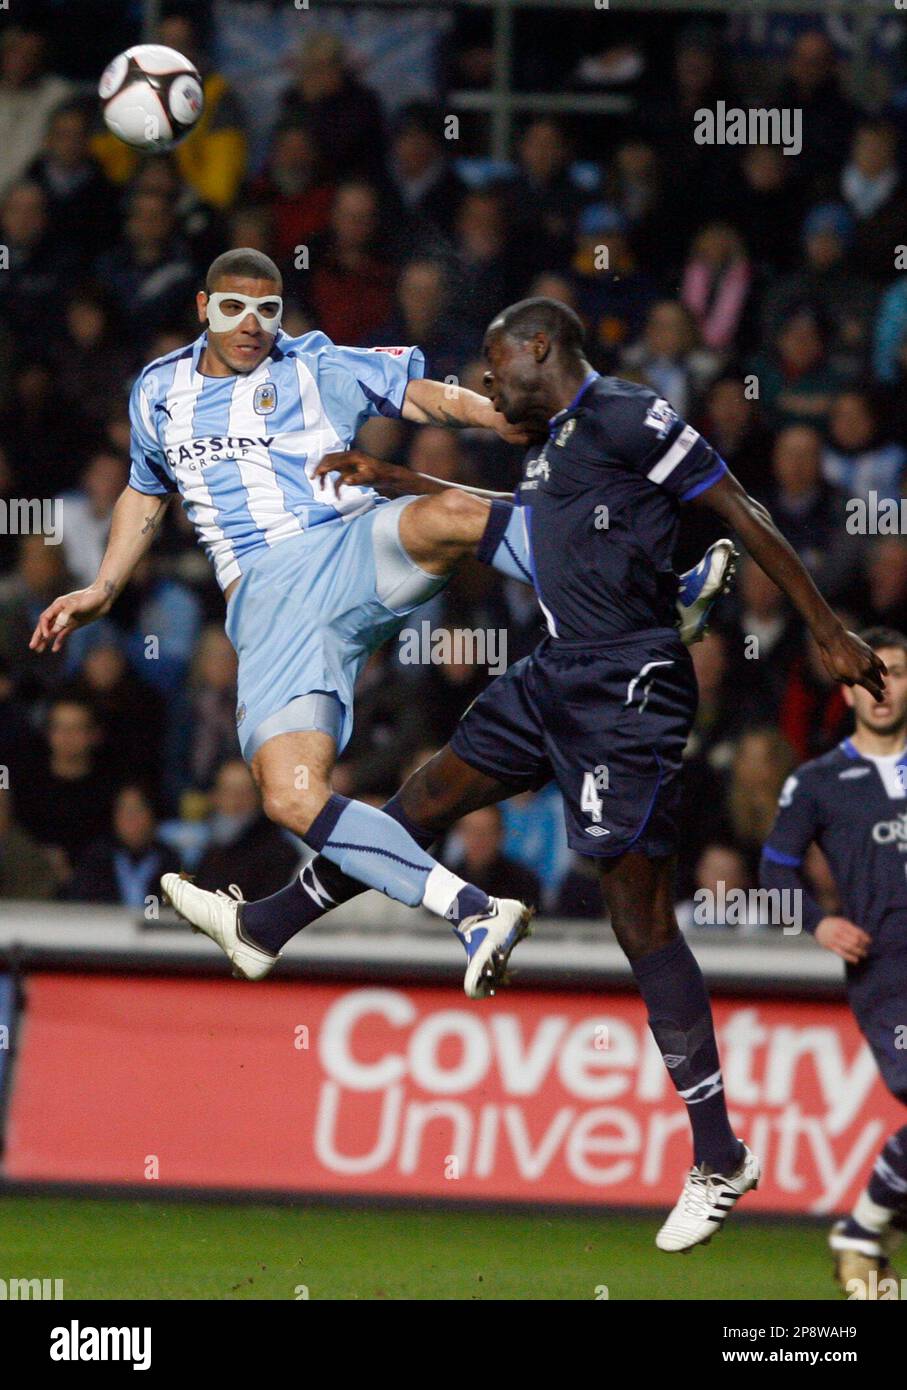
{"x": 148, "y": 269}
{"x": 198, "y": 226}
{"x": 39, "y": 576}
{"x": 812, "y": 85}
{"x": 874, "y": 190}
{"x": 345, "y": 117}
{"x": 825, "y": 283}
{"x": 544, "y": 199}
{"x": 886, "y": 577}
{"x": 716, "y": 285}
{"x": 762, "y": 204}
{"x": 26, "y": 870}
{"x": 88, "y": 355}
{"x": 244, "y": 847}
{"x": 28, "y": 95}
{"x": 670, "y": 358}
{"x": 858, "y": 458}
{"x": 485, "y": 270}
{"x": 806, "y": 509}
{"x": 126, "y": 866}
{"x": 39, "y": 264}
{"x": 697, "y": 177}
{"x": 81, "y": 203}
{"x": 423, "y": 317}
{"x": 613, "y": 294}
{"x": 733, "y": 425}
{"x": 45, "y": 444}
{"x": 422, "y": 177}
{"x": 796, "y": 378}
{"x": 352, "y": 284}
{"x": 162, "y": 618}
{"x": 475, "y": 850}
{"x": 635, "y": 190}
{"x": 296, "y": 190}
{"x": 64, "y": 791}
{"x": 131, "y": 713}
{"x": 83, "y": 517}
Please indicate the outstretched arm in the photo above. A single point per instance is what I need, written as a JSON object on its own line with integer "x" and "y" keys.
{"x": 845, "y": 657}
{"x": 136, "y": 519}
{"x": 444, "y": 403}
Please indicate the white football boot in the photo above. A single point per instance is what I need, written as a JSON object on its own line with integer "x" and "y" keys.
{"x": 489, "y": 938}
{"x": 704, "y": 1203}
{"x": 701, "y": 587}
{"x": 858, "y": 1258}
{"x": 218, "y": 916}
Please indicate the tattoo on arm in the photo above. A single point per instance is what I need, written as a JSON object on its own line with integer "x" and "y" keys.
{"x": 440, "y": 416}
{"x": 109, "y": 588}
{"x": 152, "y": 522}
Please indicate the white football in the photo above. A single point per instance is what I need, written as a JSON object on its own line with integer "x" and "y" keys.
{"x": 151, "y": 96}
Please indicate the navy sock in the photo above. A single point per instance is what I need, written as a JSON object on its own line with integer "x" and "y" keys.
{"x": 680, "y": 1018}
{"x": 272, "y": 922}
{"x": 888, "y": 1180}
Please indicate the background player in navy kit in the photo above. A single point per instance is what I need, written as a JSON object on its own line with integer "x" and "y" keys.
{"x": 852, "y": 802}
{"x": 606, "y": 702}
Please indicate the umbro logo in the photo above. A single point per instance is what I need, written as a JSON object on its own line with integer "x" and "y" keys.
{"x": 673, "y": 1060}
{"x": 854, "y": 772}
{"x": 597, "y": 830}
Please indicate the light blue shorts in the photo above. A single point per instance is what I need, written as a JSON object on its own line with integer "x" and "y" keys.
{"x": 307, "y": 614}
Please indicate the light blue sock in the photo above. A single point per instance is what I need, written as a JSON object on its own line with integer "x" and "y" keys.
{"x": 377, "y": 850}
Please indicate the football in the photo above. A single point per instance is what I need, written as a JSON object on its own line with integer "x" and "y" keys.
{"x": 151, "y": 96}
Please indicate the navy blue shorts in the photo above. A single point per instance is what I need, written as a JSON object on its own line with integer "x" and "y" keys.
{"x": 608, "y": 722}
{"x": 877, "y": 993}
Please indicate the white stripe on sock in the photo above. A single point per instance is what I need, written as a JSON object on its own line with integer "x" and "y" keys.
{"x": 441, "y": 888}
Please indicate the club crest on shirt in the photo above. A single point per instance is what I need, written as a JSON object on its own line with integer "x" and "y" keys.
{"x": 565, "y": 432}
{"x": 264, "y": 402}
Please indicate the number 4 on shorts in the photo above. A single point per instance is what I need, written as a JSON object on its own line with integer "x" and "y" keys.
{"x": 590, "y": 802}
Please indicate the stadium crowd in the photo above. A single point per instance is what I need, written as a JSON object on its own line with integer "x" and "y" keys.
{"x": 759, "y": 292}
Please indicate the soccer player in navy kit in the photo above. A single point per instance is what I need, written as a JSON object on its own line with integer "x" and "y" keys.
{"x": 852, "y": 802}
{"x": 606, "y": 702}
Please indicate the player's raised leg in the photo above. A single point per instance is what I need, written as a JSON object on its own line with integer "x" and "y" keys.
{"x": 436, "y": 796}
{"x": 293, "y": 773}
{"x": 638, "y": 892}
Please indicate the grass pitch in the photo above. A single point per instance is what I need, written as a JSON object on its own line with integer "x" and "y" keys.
{"x": 199, "y": 1250}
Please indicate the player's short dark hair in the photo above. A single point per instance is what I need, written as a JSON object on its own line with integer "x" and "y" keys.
{"x": 244, "y": 261}
{"x": 880, "y": 636}
{"x": 530, "y": 316}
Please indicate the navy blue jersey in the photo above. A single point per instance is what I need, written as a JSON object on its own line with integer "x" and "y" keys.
{"x": 855, "y": 809}
{"x": 602, "y": 500}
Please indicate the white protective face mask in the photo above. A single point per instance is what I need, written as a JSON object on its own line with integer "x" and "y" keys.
{"x": 223, "y": 323}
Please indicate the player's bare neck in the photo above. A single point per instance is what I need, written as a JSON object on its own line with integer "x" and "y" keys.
{"x": 878, "y": 745}
{"x": 209, "y": 365}
{"x": 567, "y": 378}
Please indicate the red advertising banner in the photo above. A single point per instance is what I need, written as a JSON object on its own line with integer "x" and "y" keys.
{"x": 411, "y": 1091}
